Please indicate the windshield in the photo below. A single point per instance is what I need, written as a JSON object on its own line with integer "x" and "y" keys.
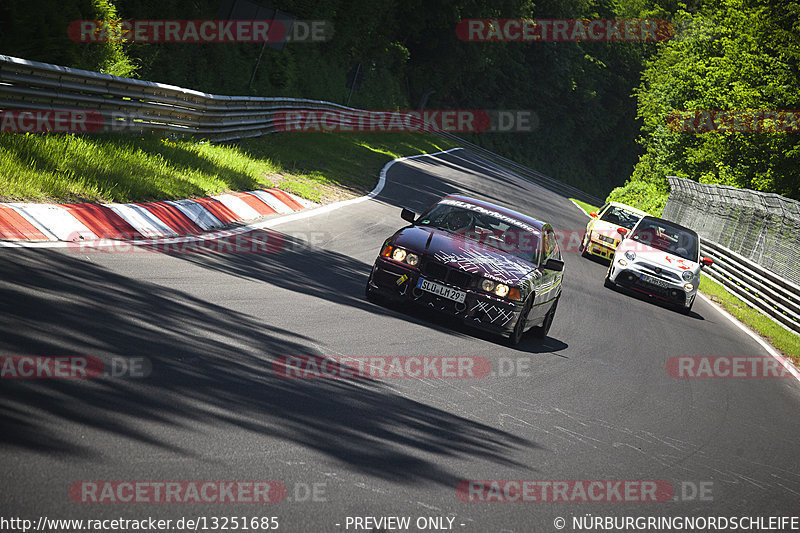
{"x": 662, "y": 236}
{"x": 483, "y": 228}
{"x": 620, "y": 217}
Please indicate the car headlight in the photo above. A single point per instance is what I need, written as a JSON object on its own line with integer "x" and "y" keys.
{"x": 630, "y": 255}
{"x": 622, "y": 262}
{"x": 501, "y": 290}
{"x": 687, "y": 275}
{"x": 688, "y": 287}
{"x": 498, "y": 289}
{"x": 403, "y": 256}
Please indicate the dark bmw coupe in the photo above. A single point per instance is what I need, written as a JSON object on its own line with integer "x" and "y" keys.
{"x": 491, "y": 267}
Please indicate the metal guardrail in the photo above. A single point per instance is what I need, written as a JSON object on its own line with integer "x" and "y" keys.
{"x": 762, "y": 227}
{"x": 767, "y": 292}
{"x": 751, "y": 237}
{"x": 137, "y": 106}
{"x": 161, "y": 108}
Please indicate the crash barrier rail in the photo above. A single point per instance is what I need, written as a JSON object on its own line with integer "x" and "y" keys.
{"x": 136, "y": 106}
{"x": 772, "y": 295}
{"x": 754, "y": 239}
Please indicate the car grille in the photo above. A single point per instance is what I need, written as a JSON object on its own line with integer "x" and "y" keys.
{"x": 439, "y": 272}
{"x": 663, "y": 274}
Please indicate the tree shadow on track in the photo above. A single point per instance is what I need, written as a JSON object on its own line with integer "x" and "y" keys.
{"x": 211, "y": 368}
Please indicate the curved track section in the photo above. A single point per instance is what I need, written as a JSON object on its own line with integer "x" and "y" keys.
{"x": 593, "y": 401}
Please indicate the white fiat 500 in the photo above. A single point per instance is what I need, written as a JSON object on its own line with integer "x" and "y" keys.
{"x": 661, "y": 259}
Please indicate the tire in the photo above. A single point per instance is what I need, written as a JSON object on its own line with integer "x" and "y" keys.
{"x": 540, "y": 332}
{"x": 519, "y": 329}
{"x": 584, "y": 248}
{"x": 687, "y": 309}
{"x": 607, "y": 283}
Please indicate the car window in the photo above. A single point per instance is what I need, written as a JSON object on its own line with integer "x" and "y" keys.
{"x": 550, "y": 247}
{"x": 483, "y": 228}
{"x": 621, "y": 217}
{"x": 667, "y": 238}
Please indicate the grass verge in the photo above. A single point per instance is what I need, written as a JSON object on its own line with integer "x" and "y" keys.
{"x": 321, "y": 167}
{"x": 783, "y": 340}
{"x": 586, "y": 207}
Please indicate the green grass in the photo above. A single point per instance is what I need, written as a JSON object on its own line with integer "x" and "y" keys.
{"x": 586, "y": 207}
{"x": 782, "y": 339}
{"x": 116, "y": 168}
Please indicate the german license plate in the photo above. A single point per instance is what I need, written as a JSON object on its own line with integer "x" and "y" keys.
{"x": 440, "y": 290}
{"x": 655, "y": 281}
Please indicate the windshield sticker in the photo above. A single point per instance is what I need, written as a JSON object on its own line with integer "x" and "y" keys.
{"x": 478, "y": 209}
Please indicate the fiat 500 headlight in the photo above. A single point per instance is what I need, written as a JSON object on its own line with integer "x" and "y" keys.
{"x": 687, "y": 275}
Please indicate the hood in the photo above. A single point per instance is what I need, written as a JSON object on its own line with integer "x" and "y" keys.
{"x": 465, "y": 254}
{"x": 657, "y": 257}
{"x": 607, "y": 229}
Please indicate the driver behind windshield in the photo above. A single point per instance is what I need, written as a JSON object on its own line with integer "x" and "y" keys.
{"x": 459, "y": 221}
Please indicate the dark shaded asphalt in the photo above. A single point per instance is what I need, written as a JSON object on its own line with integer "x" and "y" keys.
{"x": 593, "y": 401}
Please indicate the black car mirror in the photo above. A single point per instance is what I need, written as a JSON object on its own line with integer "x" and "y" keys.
{"x": 408, "y": 215}
{"x": 553, "y": 264}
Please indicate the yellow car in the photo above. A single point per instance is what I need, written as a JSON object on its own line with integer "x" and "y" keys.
{"x": 602, "y": 236}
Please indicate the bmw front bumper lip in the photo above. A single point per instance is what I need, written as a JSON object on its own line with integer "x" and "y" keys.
{"x": 478, "y": 310}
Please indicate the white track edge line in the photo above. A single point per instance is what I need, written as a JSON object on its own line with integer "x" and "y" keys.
{"x": 784, "y": 361}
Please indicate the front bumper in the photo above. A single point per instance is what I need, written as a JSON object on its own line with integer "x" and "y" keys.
{"x": 478, "y": 310}
{"x": 633, "y": 276}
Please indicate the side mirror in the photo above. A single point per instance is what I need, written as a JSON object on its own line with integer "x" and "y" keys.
{"x": 622, "y": 231}
{"x": 553, "y": 264}
{"x": 408, "y": 215}
{"x": 706, "y": 261}
{"x": 593, "y": 214}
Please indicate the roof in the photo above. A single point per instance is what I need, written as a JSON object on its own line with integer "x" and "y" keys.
{"x": 667, "y": 223}
{"x": 629, "y": 208}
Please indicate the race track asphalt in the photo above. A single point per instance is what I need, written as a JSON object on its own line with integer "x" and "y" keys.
{"x": 593, "y": 401}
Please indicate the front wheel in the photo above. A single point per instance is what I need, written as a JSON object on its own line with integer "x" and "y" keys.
{"x": 607, "y": 283}
{"x": 687, "y": 309}
{"x": 584, "y": 247}
{"x": 519, "y": 329}
{"x": 540, "y": 332}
